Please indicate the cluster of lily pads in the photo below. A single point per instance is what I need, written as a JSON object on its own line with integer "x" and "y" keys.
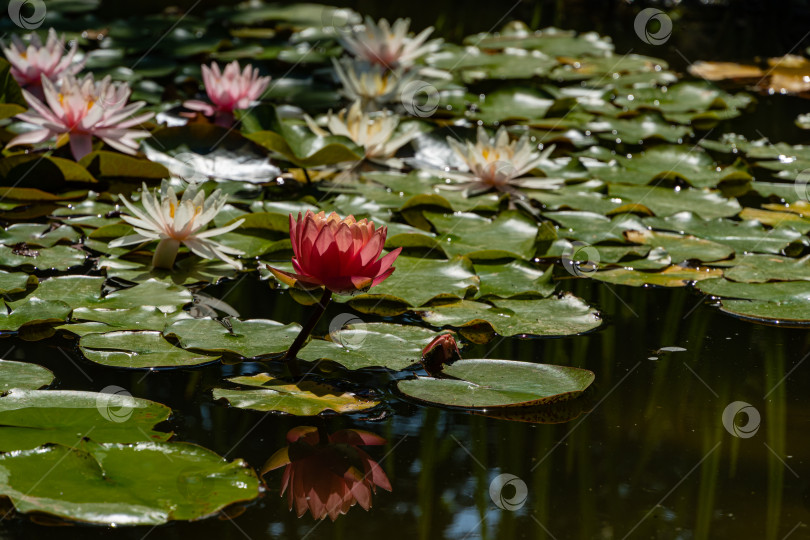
{"x": 497, "y": 166}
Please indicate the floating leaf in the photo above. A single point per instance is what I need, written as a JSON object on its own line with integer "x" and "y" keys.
{"x": 752, "y": 268}
{"x": 509, "y": 235}
{"x": 31, "y": 418}
{"x": 23, "y": 375}
{"x": 513, "y": 279}
{"x": 492, "y": 384}
{"x": 34, "y": 311}
{"x": 137, "y": 349}
{"x": 556, "y": 316}
{"x": 15, "y": 282}
{"x": 363, "y": 345}
{"x": 304, "y": 398}
{"x": 672, "y": 276}
{"x": 416, "y": 281}
{"x": 249, "y": 338}
{"x": 149, "y": 483}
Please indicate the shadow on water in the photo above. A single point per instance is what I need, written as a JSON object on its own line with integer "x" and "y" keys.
{"x": 651, "y": 459}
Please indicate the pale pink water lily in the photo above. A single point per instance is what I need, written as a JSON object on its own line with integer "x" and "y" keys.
{"x": 228, "y": 91}
{"x": 30, "y": 62}
{"x": 388, "y": 45}
{"x": 376, "y": 132}
{"x": 174, "y": 222}
{"x": 81, "y": 109}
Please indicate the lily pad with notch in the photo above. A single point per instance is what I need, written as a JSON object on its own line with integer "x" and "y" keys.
{"x": 497, "y": 384}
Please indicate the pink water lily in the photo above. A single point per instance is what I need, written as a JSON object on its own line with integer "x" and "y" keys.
{"x": 81, "y": 109}
{"x": 29, "y": 63}
{"x": 228, "y": 91}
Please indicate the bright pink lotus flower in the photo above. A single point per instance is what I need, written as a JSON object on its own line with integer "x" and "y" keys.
{"x": 30, "y": 62}
{"x": 81, "y": 109}
{"x": 228, "y": 90}
{"x": 328, "y": 477}
{"x": 339, "y": 254}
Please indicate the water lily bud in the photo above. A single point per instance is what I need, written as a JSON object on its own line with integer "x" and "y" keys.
{"x": 442, "y": 350}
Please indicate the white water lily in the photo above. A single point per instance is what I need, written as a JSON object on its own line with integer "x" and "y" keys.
{"x": 388, "y": 45}
{"x": 375, "y": 132}
{"x": 499, "y": 163}
{"x": 174, "y": 222}
{"x": 372, "y": 84}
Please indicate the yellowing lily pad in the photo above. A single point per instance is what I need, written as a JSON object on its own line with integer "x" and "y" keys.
{"x": 303, "y": 398}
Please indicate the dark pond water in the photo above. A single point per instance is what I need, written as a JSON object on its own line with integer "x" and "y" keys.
{"x": 647, "y": 455}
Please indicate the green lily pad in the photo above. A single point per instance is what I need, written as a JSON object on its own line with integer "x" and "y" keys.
{"x": 671, "y": 162}
{"x": 555, "y": 316}
{"x": 672, "y": 276}
{"x": 746, "y": 236}
{"x": 417, "y": 280}
{"x": 15, "y": 282}
{"x": 249, "y": 338}
{"x": 137, "y": 349}
{"x": 23, "y": 375}
{"x": 753, "y": 268}
{"x": 364, "y": 345}
{"x": 512, "y": 279}
{"x": 49, "y": 258}
{"x": 664, "y": 202}
{"x": 148, "y": 483}
{"x": 681, "y": 247}
{"x": 35, "y": 234}
{"x": 493, "y": 384}
{"x": 509, "y": 235}
{"x": 34, "y": 311}
{"x": 304, "y": 398}
{"x": 31, "y": 418}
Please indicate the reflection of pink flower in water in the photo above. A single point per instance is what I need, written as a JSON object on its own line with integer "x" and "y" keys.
{"x": 327, "y": 477}
{"x": 228, "y": 91}
{"x": 30, "y": 62}
{"x": 82, "y": 108}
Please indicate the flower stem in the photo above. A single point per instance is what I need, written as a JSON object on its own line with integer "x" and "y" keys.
{"x": 292, "y": 352}
{"x": 166, "y": 253}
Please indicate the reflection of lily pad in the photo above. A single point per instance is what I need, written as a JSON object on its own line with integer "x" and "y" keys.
{"x": 304, "y": 398}
{"x": 492, "y": 384}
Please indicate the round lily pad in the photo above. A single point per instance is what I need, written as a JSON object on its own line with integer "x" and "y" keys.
{"x": 148, "y": 483}
{"x": 30, "y": 418}
{"x": 491, "y": 384}
{"x": 23, "y": 375}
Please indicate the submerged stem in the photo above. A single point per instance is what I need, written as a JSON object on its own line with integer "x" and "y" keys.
{"x": 292, "y": 352}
